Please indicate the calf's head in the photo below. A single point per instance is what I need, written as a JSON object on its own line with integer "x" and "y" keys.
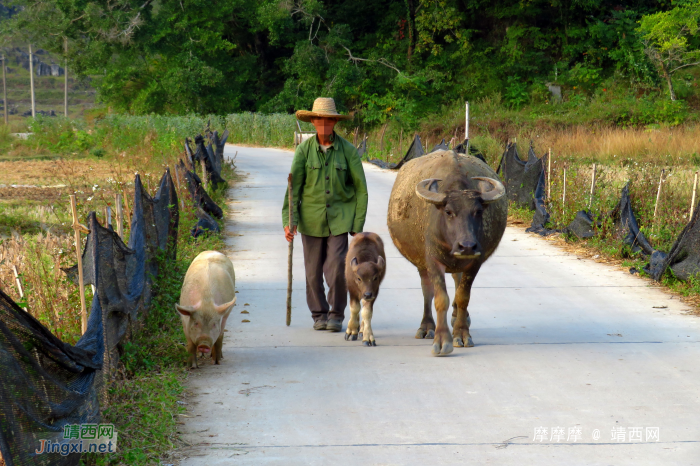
{"x": 205, "y": 322}
{"x": 459, "y": 223}
{"x": 367, "y": 277}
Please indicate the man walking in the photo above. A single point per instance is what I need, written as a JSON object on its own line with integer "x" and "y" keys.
{"x": 330, "y": 200}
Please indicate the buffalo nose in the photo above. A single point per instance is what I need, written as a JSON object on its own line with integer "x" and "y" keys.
{"x": 368, "y": 295}
{"x": 467, "y": 247}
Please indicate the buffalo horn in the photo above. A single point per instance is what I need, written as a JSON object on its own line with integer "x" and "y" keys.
{"x": 491, "y": 190}
{"x": 427, "y": 189}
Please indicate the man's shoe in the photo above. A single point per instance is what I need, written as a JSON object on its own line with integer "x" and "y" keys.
{"x": 320, "y": 324}
{"x": 334, "y": 325}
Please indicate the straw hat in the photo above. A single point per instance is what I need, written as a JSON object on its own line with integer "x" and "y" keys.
{"x": 323, "y": 107}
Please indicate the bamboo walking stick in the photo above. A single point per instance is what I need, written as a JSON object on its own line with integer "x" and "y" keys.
{"x": 291, "y": 251}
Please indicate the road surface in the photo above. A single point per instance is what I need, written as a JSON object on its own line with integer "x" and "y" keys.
{"x": 575, "y": 362}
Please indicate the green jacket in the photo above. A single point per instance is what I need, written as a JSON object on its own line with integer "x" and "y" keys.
{"x": 329, "y": 190}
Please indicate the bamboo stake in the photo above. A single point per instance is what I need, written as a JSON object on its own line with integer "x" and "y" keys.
{"x": 466, "y": 122}
{"x": 549, "y": 174}
{"x": 4, "y": 88}
{"x": 120, "y": 216}
{"x": 31, "y": 80}
{"x": 128, "y": 209}
{"x": 205, "y": 175}
{"x": 177, "y": 182}
{"x": 65, "y": 78}
{"x": 381, "y": 142}
{"x": 290, "y": 254}
{"x": 692, "y": 202}
{"x": 563, "y": 197}
{"x": 401, "y": 143}
{"x": 658, "y": 196}
{"x": 77, "y": 228}
{"x": 108, "y": 216}
{"x": 19, "y": 283}
{"x": 590, "y": 200}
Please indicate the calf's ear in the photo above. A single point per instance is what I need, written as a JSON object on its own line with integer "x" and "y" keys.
{"x": 380, "y": 263}
{"x": 184, "y": 310}
{"x": 224, "y": 309}
{"x": 353, "y": 264}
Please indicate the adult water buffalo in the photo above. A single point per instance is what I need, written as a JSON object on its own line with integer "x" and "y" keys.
{"x": 447, "y": 213}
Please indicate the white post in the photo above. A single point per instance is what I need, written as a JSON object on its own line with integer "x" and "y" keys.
{"x": 19, "y": 283}
{"x": 658, "y": 196}
{"x": 563, "y": 197}
{"x": 4, "y": 88}
{"x": 466, "y": 123}
{"x": 65, "y": 76}
{"x": 31, "y": 80}
{"x": 590, "y": 201}
{"x": 549, "y": 175}
{"x": 120, "y": 216}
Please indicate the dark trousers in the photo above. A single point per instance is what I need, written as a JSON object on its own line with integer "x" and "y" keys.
{"x": 326, "y": 257}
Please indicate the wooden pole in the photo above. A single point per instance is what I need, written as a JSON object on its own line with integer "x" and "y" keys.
{"x": 120, "y": 216}
{"x": 466, "y": 122}
{"x": 19, "y": 283}
{"x": 381, "y": 142}
{"x": 290, "y": 253}
{"x": 658, "y": 196}
{"x": 205, "y": 175}
{"x": 177, "y": 182}
{"x": 65, "y": 78}
{"x": 401, "y": 143}
{"x": 4, "y": 88}
{"x": 692, "y": 202}
{"x": 549, "y": 174}
{"x": 590, "y": 200}
{"x": 128, "y": 209}
{"x": 31, "y": 80}
{"x": 108, "y": 216}
{"x": 563, "y": 196}
{"x": 77, "y": 227}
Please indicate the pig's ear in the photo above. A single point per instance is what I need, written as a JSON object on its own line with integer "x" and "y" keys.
{"x": 353, "y": 264}
{"x": 184, "y": 310}
{"x": 226, "y": 307}
{"x": 380, "y": 263}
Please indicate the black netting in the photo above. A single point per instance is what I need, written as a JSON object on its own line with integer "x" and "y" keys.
{"x": 207, "y": 155}
{"x": 199, "y": 194}
{"x": 520, "y": 177}
{"x": 442, "y": 146}
{"x": 362, "y": 148}
{"x": 415, "y": 150}
{"x": 626, "y": 224}
{"x": 684, "y": 256}
{"x": 205, "y": 224}
{"x": 466, "y": 147}
{"x": 541, "y": 217}
{"x": 47, "y": 384}
{"x": 219, "y": 143}
{"x": 582, "y": 225}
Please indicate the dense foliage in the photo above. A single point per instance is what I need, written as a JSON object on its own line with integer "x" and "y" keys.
{"x": 395, "y": 60}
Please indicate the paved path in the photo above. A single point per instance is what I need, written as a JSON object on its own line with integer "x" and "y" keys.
{"x": 560, "y": 342}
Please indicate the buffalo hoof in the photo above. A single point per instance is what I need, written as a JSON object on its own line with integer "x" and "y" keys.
{"x": 349, "y": 337}
{"x": 460, "y": 343}
{"x": 442, "y": 346}
{"x": 421, "y": 333}
{"x": 369, "y": 343}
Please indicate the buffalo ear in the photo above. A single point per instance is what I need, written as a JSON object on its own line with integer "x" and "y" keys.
{"x": 428, "y": 190}
{"x": 224, "y": 309}
{"x": 185, "y": 310}
{"x": 491, "y": 189}
{"x": 354, "y": 264}
{"x": 380, "y": 263}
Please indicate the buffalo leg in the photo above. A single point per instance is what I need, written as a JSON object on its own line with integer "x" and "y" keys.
{"x": 367, "y": 335}
{"x": 427, "y": 325}
{"x": 462, "y": 322}
{"x": 442, "y": 343}
{"x": 353, "y": 323}
{"x": 457, "y": 277}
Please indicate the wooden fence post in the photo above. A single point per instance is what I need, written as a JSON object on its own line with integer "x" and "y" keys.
{"x": 692, "y": 202}
{"x": 590, "y": 200}
{"x": 120, "y": 216}
{"x": 177, "y": 182}
{"x": 563, "y": 197}
{"x": 658, "y": 196}
{"x": 205, "y": 175}
{"x": 549, "y": 174}
{"x": 77, "y": 228}
{"x": 19, "y": 285}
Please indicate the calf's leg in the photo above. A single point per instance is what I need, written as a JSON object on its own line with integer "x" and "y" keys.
{"x": 354, "y": 322}
{"x": 427, "y": 325}
{"x": 367, "y": 335}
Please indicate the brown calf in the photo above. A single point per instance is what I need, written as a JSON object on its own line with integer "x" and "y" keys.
{"x": 365, "y": 266}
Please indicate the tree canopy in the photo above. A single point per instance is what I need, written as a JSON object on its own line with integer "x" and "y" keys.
{"x": 383, "y": 59}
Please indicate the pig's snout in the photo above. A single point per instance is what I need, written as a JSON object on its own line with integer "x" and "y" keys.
{"x": 203, "y": 349}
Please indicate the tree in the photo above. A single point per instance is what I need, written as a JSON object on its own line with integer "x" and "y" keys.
{"x": 670, "y": 40}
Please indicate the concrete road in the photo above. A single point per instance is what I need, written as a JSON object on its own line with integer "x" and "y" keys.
{"x": 575, "y": 362}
